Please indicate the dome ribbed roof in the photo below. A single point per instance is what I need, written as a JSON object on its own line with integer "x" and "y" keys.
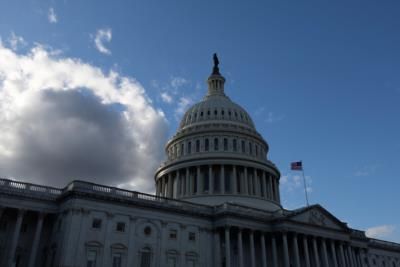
{"x": 216, "y": 108}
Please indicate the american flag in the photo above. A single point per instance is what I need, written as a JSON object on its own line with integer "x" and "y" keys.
{"x": 296, "y": 166}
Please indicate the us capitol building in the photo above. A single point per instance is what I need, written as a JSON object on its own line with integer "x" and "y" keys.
{"x": 217, "y": 203}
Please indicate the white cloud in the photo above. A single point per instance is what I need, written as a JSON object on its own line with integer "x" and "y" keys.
{"x": 52, "y": 16}
{"x": 183, "y": 104}
{"x": 103, "y": 35}
{"x": 272, "y": 117}
{"x": 291, "y": 183}
{"x": 177, "y": 82}
{"x": 366, "y": 170}
{"x": 166, "y": 97}
{"x": 64, "y": 119}
{"x": 16, "y": 41}
{"x": 381, "y": 231}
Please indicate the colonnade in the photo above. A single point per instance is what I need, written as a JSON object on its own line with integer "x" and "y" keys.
{"x": 241, "y": 247}
{"x": 218, "y": 179}
{"x": 13, "y": 243}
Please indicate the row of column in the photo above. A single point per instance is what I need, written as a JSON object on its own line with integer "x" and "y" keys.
{"x": 15, "y": 237}
{"x": 222, "y": 179}
{"x": 285, "y": 249}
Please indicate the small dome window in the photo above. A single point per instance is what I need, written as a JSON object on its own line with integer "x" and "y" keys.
{"x": 206, "y": 144}
{"x": 208, "y": 112}
{"x": 234, "y": 145}
{"x": 147, "y": 230}
{"x": 243, "y": 147}
{"x": 225, "y": 144}
{"x": 189, "y": 147}
{"x": 197, "y": 145}
{"x": 215, "y": 112}
{"x": 201, "y": 114}
{"x": 222, "y": 112}
{"x": 236, "y": 115}
{"x": 229, "y": 113}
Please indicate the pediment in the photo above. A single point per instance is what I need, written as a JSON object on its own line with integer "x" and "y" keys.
{"x": 318, "y": 216}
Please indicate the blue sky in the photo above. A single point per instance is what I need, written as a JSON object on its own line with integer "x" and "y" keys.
{"x": 320, "y": 79}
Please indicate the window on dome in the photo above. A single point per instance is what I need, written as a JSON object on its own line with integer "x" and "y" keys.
{"x": 250, "y": 148}
{"x": 182, "y": 149}
{"x": 189, "y": 147}
{"x": 201, "y": 114}
{"x": 216, "y": 145}
{"x": 195, "y": 115}
{"x": 208, "y": 112}
{"x": 256, "y": 151}
{"x": 241, "y": 115}
{"x": 243, "y": 147}
{"x": 236, "y": 115}
{"x": 215, "y": 112}
{"x": 197, "y": 145}
{"x": 222, "y": 112}
{"x": 225, "y": 144}
{"x": 206, "y": 144}
{"x": 234, "y": 145}
{"x": 229, "y": 113}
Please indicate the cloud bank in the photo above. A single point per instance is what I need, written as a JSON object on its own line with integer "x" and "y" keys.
{"x": 102, "y": 36}
{"x": 381, "y": 231}
{"x": 63, "y": 119}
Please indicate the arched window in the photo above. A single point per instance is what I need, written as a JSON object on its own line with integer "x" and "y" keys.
{"x": 182, "y": 149}
{"x": 256, "y": 151}
{"x": 243, "y": 147}
{"x": 206, "y": 144}
{"x": 250, "y": 148}
{"x": 145, "y": 257}
{"x": 197, "y": 145}
{"x": 216, "y": 146}
{"x": 189, "y": 147}
{"x": 225, "y": 144}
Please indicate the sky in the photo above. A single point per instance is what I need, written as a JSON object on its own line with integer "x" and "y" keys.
{"x": 92, "y": 90}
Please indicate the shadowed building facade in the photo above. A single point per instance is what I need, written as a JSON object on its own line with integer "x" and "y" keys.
{"x": 217, "y": 203}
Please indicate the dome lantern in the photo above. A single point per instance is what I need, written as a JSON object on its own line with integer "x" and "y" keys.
{"x": 216, "y": 81}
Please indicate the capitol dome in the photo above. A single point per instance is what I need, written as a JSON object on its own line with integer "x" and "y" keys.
{"x": 217, "y": 155}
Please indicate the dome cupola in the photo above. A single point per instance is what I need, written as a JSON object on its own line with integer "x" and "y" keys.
{"x": 218, "y": 156}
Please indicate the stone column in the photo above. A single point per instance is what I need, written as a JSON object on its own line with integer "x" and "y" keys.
{"x": 187, "y": 189}
{"x": 252, "y": 251}
{"x": 251, "y": 184}
{"x": 274, "y": 252}
{"x": 296, "y": 251}
{"x": 170, "y": 185}
{"x": 264, "y": 184}
{"x": 263, "y": 251}
{"x": 210, "y": 180}
{"x": 217, "y": 250}
{"x": 198, "y": 181}
{"x": 234, "y": 180}
{"x": 342, "y": 258}
{"x": 245, "y": 182}
{"x": 240, "y": 248}
{"x": 324, "y": 253}
{"x": 257, "y": 183}
{"x": 351, "y": 262}
{"x": 333, "y": 250}
{"x": 227, "y": 247}
{"x": 222, "y": 179}
{"x": 36, "y": 239}
{"x": 15, "y": 237}
{"x": 306, "y": 253}
{"x": 286, "y": 260}
{"x": 270, "y": 192}
{"x": 316, "y": 254}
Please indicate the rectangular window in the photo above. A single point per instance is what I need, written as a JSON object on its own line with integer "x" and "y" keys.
{"x": 96, "y": 223}
{"x": 173, "y": 234}
{"x": 206, "y": 144}
{"x": 182, "y": 150}
{"x": 225, "y": 144}
{"x": 216, "y": 147}
{"x": 234, "y": 145}
{"x": 192, "y": 236}
{"x": 189, "y": 147}
{"x": 197, "y": 145}
{"x": 120, "y": 227}
{"x": 243, "y": 147}
{"x": 91, "y": 259}
{"x": 117, "y": 260}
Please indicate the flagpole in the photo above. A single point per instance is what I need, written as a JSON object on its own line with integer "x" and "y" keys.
{"x": 305, "y": 186}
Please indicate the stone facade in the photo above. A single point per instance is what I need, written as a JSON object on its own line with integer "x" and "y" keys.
{"x": 217, "y": 203}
